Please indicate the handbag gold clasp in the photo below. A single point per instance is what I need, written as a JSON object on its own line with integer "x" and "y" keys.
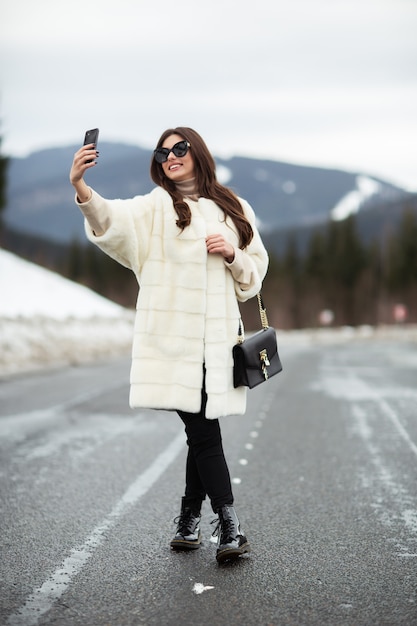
{"x": 263, "y": 355}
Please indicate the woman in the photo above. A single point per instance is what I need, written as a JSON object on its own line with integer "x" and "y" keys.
{"x": 195, "y": 250}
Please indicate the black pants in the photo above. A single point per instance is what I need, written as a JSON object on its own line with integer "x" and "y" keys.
{"x": 206, "y": 471}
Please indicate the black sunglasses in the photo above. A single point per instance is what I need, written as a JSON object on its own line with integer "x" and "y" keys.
{"x": 180, "y": 149}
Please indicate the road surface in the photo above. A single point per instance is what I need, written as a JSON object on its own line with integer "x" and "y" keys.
{"x": 324, "y": 466}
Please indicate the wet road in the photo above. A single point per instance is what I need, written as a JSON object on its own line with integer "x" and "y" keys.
{"x": 324, "y": 466}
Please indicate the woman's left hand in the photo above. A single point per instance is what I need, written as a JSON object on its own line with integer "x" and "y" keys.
{"x": 217, "y": 244}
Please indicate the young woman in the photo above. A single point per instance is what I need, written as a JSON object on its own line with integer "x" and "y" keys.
{"x": 195, "y": 250}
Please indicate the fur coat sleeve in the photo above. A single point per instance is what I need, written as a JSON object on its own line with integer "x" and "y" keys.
{"x": 187, "y": 311}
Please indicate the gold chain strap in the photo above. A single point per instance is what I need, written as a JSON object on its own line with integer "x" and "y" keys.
{"x": 262, "y": 312}
{"x": 263, "y": 316}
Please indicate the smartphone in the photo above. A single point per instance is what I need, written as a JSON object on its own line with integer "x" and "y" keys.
{"x": 91, "y": 136}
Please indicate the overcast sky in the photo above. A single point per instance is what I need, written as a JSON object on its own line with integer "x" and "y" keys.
{"x": 322, "y": 82}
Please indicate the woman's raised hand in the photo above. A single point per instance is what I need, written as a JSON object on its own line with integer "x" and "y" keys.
{"x": 84, "y": 158}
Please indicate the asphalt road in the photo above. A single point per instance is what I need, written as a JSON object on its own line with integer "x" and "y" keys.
{"x": 324, "y": 466}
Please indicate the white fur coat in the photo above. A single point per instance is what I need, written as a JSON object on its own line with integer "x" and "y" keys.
{"x": 187, "y": 307}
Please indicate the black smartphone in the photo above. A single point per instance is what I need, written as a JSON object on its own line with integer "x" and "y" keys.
{"x": 91, "y": 136}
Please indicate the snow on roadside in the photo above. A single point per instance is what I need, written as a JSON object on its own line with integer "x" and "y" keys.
{"x": 27, "y": 290}
{"x": 47, "y": 320}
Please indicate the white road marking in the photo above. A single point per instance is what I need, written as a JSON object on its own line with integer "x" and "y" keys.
{"x": 394, "y": 419}
{"x": 87, "y": 434}
{"x": 18, "y": 425}
{"x": 42, "y": 599}
{"x": 347, "y": 386}
{"x": 404, "y": 502}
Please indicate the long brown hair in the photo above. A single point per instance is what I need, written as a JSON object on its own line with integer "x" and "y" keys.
{"x": 206, "y": 184}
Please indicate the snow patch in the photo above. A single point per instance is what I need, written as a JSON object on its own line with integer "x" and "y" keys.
{"x": 46, "y": 320}
{"x": 352, "y": 201}
{"x": 289, "y": 187}
{"x": 29, "y": 290}
{"x": 261, "y": 175}
{"x": 224, "y": 174}
{"x": 199, "y": 588}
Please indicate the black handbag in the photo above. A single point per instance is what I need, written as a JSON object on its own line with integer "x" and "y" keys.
{"x": 256, "y": 359}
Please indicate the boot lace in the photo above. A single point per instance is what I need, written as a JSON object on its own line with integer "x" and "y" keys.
{"x": 216, "y": 529}
{"x": 186, "y": 522}
{"x": 225, "y": 530}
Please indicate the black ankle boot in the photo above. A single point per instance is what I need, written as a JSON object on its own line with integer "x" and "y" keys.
{"x": 188, "y": 535}
{"x": 231, "y": 543}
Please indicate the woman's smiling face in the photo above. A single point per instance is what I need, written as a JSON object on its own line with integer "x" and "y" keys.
{"x": 175, "y": 168}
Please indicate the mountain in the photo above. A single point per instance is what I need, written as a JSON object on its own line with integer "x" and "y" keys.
{"x": 375, "y": 222}
{"x": 285, "y": 196}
